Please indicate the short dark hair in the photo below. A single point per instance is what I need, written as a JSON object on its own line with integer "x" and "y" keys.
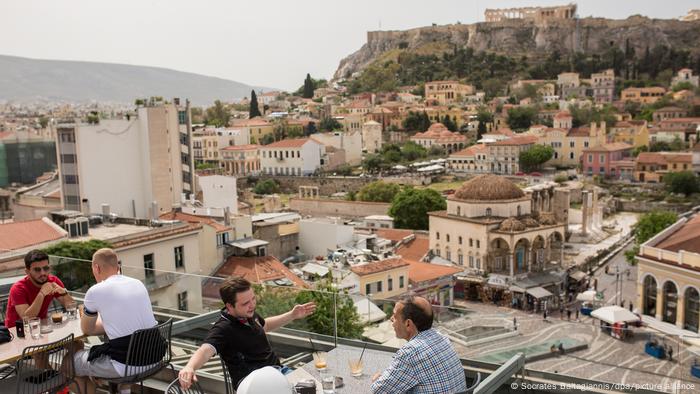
{"x": 34, "y": 256}
{"x": 419, "y": 316}
{"x": 232, "y": 286}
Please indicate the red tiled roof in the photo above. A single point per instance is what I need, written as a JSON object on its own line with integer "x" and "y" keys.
{"x": 685, "y": 238}
{"x": 421, "y": 272}
{"x": 579, "y": 132}
{"x": 610, "y": 147}
{"x": 290, "y": 143}
{"x": 562, "y": 115}
{"x": 19, "y": 235}
{"x": 519, "y": 140}
{"x": 472, "y": 150}
{"x": 185, "y": 217}
{"x": 258, "y": 270}
{"x": 414, "y": 250}
{"x": 241, "y": 147}
{"x": 379, "y": 266}
{"x": 257, "y": 121}
{"x": 394, "y": 235}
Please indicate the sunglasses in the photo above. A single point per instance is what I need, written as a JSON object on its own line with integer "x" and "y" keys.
{"x": 39, "y": 269}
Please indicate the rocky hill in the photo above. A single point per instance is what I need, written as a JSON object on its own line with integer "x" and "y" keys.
{"x": 520, "y": 37}
{"x": 24, "y": 79}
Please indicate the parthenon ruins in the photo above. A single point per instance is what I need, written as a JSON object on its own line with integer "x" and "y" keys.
{"x": 537, "y": 14}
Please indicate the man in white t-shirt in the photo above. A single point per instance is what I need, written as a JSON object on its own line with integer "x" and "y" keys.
{"x": 116, "y": 306}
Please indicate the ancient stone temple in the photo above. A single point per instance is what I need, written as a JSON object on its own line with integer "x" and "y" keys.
{"x": 537, "y": 14}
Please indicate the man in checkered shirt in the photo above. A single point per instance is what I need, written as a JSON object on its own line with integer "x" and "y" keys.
{"x": 427, "y": 363}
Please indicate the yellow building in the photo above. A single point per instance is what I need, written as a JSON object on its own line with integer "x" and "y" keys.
{"x": 668, "y": 285}
{"x": 446, "y": 92}
{"x": 652, "y": 166}
{"x": 257, "y": 128}
{"x": 383, "y": 279}
{"x": 633, "y": 132}
{"x": 648, "y": 95}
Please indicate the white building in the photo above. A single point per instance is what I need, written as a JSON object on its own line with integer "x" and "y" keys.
{"x": 297, "y": 157}
{"x": 318, "y": 236}
{"x": 686, "y": 75}
{"x": 219, "y": 192}
{"x": 372, "y": 136}
{"x": 127, "y": 163}
{"x": 350, "y": 142}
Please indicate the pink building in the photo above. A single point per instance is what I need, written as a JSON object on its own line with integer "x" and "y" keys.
{"x": 604, "y": 159}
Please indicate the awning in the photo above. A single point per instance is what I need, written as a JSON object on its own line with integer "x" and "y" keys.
{"x": 315, "y": 269}
{"x": 538, "y": 292}
{"x": 516, "y": 289}
{"x": 614, "y": 314}
{"x": 578, "y": 275}
{"x": 247, "y": 243}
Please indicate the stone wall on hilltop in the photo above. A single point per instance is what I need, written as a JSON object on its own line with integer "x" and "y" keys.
{"x": 519, "y": 37}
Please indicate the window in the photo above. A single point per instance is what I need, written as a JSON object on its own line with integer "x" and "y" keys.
{"x": 571, "y": 155}
{"x": 499, "y": 263}
{"x": 602, "y": 170}
{"x": 447, "y": 237}
{"x": 182, "y": 117}
{"x": 148, "y": 267}
{"x": 460, "y": 258}
{"x": 448, "y": 254}
{"x": 389, "y": 284}
{"x": 477, "y": 243}
{"x": 459, "y": 211}
{"x": 437, "y": 235}
{"x": 471, "y": 261}
{"x": 379, "y": 286}
{"x": 70, "y": 179}
{"x": 182, "y": 301}
{"x": 221, "y": 239}
{"x": 179, "y": 256}
{"x": 478, "y": 263}
{"x": 471, "y": 242}
{"x": 68, "y": 158}
{"x": 401, "y": 282}
{"x": 459, "y": 240}
{"x": 585, "y": 144}
{"x": 590, "y": 158}
{"x": 572, "y": 144}
{"x": 602, "y": 158}
{"x": 488, "y": 211}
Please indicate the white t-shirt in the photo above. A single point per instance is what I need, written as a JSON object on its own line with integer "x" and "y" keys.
{"x": 123, "y": 306}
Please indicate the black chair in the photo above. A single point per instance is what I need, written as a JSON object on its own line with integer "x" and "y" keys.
{"x": 230, "y": 389}
{"x": 46, "y": 368}
{"x": 174, "y": 388}
{"x": 148, "y": 353}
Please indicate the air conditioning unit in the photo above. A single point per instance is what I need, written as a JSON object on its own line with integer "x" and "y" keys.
{"x": 83, "y": 226}
{"x": 71, "y": 225}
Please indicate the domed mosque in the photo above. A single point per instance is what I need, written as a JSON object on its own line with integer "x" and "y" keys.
{"x": 508, "y": 239}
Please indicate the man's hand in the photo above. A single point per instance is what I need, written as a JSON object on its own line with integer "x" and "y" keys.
{"x": 47, "y": 288}
{"x": 186, "y": 377}
{"x": 301, "y": 311}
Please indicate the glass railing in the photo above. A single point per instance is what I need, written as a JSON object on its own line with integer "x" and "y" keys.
{"x": 482, "y": 334}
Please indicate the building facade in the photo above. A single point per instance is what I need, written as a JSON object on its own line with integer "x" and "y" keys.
{"x": 296, "y": 157}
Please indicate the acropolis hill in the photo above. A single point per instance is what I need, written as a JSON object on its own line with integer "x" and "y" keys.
{"x": 531, "y": 31}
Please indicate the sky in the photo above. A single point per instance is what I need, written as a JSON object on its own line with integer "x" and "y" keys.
{"x": 271, "y": 43}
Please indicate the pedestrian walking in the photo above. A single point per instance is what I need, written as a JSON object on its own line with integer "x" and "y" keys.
{"x": 670, "y": 353}
{"x": 544, "y": 314}
{"x": 630, "y": 306}
{"x": 568, "y": 314}
{"x": 577, "y": 314}
{"x": 606, "y": 270}
{"x": 515, "y": 323}
{"x": 622, "y": 304}
{"x": 561, "y": 312}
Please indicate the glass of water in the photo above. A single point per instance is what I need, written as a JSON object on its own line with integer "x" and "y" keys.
{"x": 72, "y": 311}
{"x": 328, "y": 383}
{"x": 34, "y": 328}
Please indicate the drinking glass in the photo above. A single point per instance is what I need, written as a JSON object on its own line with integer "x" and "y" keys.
{"x": 25, "y": 322}
{"x": 34, "y": 327}
{"x": 45, "y": 325}
{"x": 355, "y": 367}
{"x": 57, "y": 318}
{"x": 328, "y": 383}
{"x": 72, "y": 311}
{"x": 320, "y": 360}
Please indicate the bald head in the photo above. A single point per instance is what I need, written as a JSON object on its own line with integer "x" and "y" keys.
{"x": 106, "y": 258}
{"x": 419, "y": 311}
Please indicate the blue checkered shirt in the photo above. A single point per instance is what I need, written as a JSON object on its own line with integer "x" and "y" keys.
{"x": 427, "y": 364}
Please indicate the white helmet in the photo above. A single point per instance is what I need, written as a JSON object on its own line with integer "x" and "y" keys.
{"x": 266, "y": 380}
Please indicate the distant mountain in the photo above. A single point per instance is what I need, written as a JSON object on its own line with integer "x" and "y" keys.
{"x": 25, "y": 79}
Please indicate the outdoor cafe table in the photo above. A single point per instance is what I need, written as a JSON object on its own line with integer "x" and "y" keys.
{"x": 11, "y": 351}
{"x": 373, "y": 361}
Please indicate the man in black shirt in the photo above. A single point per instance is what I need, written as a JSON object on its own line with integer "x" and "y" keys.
{"x": 238, "y": 337}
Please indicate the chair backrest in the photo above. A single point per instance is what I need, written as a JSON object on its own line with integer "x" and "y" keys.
{"x": 45, "y": 368}
{"x": 230, "y": 389}
{"x": 149, "y": 350}
{"x": 174, "y": 388}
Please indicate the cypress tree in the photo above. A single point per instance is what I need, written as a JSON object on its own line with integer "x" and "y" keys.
{"x": 308, "y": 87}
{"x": 254, "y": 110}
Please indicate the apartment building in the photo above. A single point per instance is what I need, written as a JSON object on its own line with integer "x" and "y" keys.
{"x": 128, "y": 163}
{"x": 296, "y": 157}
{"x": 648, "y": 95}
{"x": 447, "y": 92}
{"x": 241, "y": 160}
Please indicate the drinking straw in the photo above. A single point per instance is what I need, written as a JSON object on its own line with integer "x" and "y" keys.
{"x": 312, "y": 345}
{"x": 363, "y": 351}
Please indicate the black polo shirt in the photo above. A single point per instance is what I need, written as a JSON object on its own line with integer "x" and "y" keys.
{"x": 243, "y": 345}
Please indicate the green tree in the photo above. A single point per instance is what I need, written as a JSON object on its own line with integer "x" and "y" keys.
{"x": 308, "y": 87}
{"x": 218, "y": 115}
{"x": 330, "y": 124}
{"x": 449, "y": 123}
{"x": 267, "y": 139}
{"x": 378, "y": 192}
{"x": 343, "y": 169}
{"x": 331, "y": 303}
{"x": 411, "y": 151}
{"x": 411, "y": 206}
{"x": 416, "y": 121}
{"x": 484, "y": 117}
{"x": 43, "y": 121}
{"x": 648, "y": 226}
{"x": 268, "y": 186}
{"x": 685, "y": 182}
{"x": 254, "y": 110}
{"x": 683, "y": 86}
{"x": 639, "y": 149}
{"x": 520, "y": 118}
{"x": 534, "y": 157}
{"x": 373, "y": 163}
{"x": 73, "y": 264}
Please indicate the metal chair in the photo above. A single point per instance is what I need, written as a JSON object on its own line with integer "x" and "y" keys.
{"x": 35, "y": 371}
{"x": 148, "y": 353}
{"x": 230, "y": 388}
{"x": 174, "y": 388}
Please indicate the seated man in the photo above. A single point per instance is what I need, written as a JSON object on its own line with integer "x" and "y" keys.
{"x": 32, "y": 295}
{"x": 116, "y": 306}
{"x": 238, "y": 337}
{"x": 427, "y": 363}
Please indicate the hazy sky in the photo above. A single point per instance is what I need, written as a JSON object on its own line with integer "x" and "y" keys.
{"x": 266, "y": 43}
